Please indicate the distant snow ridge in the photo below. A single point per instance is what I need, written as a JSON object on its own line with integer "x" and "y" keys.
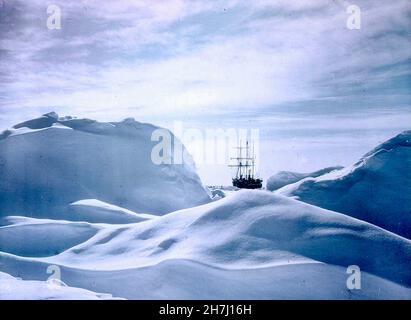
{"x": 283, "y": 178}
{"x": 48, "y": 163}
{"x": 376, "y": 189}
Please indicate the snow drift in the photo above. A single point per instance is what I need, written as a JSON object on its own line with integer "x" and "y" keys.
{"x": 249, "y": 245}
{"x": 283, "y": 178}
{"x": 376, "y": 189}
{"x": 50, "y": 162}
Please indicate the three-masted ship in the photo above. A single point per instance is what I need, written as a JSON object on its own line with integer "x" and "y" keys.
{"x": 245, "y": 173}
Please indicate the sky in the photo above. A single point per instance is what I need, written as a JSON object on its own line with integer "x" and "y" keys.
{"x": 320, "y": 93}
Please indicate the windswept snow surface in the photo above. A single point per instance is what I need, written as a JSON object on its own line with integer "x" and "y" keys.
{"x": 48, "y": 163}
{"x": 249, "y": 245}
{"x": 376, "y": 189}
{"x": 283, "y": 178}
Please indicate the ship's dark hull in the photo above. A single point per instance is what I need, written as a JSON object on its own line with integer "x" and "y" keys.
{"x": 249, "y": 183}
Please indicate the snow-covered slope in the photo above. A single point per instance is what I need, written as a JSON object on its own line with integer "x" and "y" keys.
{"x": 283, "y": 178}
{"x": 251, "y": 244}
{"x": 376, "y": 189}
{"x": 48, "y": 163}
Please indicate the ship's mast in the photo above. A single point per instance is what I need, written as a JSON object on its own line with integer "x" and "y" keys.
{"x": 253, "y": 162}
{"x": 240, "y": 164}
{"x": 246, "y": 162}
{"x": 243, "y": 169}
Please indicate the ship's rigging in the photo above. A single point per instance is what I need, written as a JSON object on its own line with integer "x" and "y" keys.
{"x": 245, "y": 173}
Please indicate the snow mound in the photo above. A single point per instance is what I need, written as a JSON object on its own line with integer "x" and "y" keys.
{"x": 95, "y": 211}
{"x": 249, "y": 229}
{"x": 283, "y": 178}
{"x": 376, "y": 189}
{"x": 48, "y": 163}
{"x": 17, "y": 289}
{"x": 246, "y": 241}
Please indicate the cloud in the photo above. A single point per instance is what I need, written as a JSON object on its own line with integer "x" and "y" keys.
{"x": 172, "y": 57}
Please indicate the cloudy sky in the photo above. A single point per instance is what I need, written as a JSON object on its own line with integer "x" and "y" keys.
{"x": 320, "y": 93}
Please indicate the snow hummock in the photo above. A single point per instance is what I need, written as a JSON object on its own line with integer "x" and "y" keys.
{"x": 48, "y": 163}
{"x": 283, "y": 178}
{"x": 249, "y": 245}
{"x": 375, "y": 189}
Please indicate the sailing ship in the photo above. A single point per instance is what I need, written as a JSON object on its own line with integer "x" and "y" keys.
{"x": 245, "y": 173}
